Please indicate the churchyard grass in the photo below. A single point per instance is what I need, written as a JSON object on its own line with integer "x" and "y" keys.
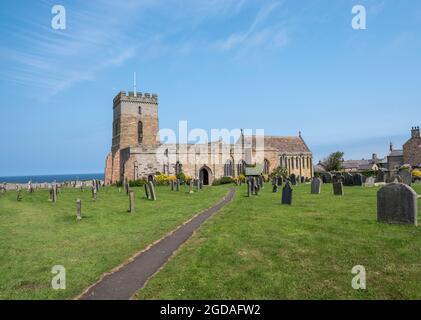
{"x": 36, "y": 234}
{"x": 256, "y": 248}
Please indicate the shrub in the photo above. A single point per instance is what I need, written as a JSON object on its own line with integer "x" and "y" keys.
{"x": 172, "y": 178}
{"x": 187, "y": 179}
{"x": 223, "y": 180}
{"x": 162, "y": 179}
{"x": 182, "y": 177}
{"x": 242, "y": 178}
{"x": 266, "y": 178}
{"x": 416, "y": 173}
{"x": 279, "y": 172}
{"x": 138, "y": 183}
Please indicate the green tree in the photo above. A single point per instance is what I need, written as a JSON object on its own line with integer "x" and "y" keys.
{"x": 279, "y": 172}
{"x": 334, "y": 161}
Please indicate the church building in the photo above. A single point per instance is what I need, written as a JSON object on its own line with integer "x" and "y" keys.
{"x": 137, "y": 151}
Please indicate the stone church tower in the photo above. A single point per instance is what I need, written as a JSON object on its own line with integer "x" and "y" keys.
{"x": 135, "y": 123}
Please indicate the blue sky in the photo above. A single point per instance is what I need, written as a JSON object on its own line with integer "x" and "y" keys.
{"x": 283, "y": 66}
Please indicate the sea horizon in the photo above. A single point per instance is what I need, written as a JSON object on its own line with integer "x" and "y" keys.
{"x": 51, "y": 178}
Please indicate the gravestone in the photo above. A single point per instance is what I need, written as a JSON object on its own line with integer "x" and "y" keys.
{"x": 18, "y": 195}
{"x": 280, "y": 181}
{"x": 197, "y": 185}
{"x": 369, "y": 182}
{"x": 406, "y": 176}
{"x": 50, "y": 193}
{"x": 177, "y": 185}
{"x": 55, "y": 193}
{"x": 94, "y": 193}
{"x": 126, "y": 186}
{"x": 293, "y": 179}
{"x": 303, "y": 179}
{"x": 287, "y": 194}
{"x": 275, "y": 188}
{"x": 380, "y": 177}
{"x": 172, "y": 185}
{"x": 201, "y": 184}
{"x": 249, "y": 188}
{"x": 78, "y": 209}
{"x": 338, "y": 178}
{"x": 253, "y": 185}
{"x": 131, "y": 201}
{"x": 349, "y": 180}
{"x": 357, "y": 179}
{"x": 316, "y": 184}
{"x": 273, "y": 181}
{"x": 397, "y": 204}
{"x": 338, "y": 189}
{"x": 147, "y": 194}
{"x": 152, "y": 191}
{"x": 256, "y": 188}
{"x": 191, "y": 186}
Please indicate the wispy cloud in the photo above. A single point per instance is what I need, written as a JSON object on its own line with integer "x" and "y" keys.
{"x": 256, "y": 35}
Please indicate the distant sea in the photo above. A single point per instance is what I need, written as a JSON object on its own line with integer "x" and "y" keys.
{"x": 52, "y": 178}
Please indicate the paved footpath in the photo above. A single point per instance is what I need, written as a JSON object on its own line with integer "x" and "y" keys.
{"x": 126, "y": 281}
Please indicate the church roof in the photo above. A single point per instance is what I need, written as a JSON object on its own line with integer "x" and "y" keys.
{"x": 282, "y": 144}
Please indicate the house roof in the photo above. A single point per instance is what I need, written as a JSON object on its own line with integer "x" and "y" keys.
{"x": 282, "y": 144}
{"x": 256, "y": 170}
{"x": 395, "y": 153}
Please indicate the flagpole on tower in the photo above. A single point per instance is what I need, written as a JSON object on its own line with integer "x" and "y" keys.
{"x": 134, "y": 84}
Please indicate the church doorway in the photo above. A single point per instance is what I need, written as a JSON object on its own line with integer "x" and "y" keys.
{"x": 204, "y": 176}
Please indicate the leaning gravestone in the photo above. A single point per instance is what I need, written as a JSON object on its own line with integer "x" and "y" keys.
{"x": 287, "y": 194}
{"x": 147, "y": 194}
{"x": 78, "y": 209}
{"x": 152, "y": 191}
{"x": 316, "y": 184}
{"x": 338, "y": 189}
{"x": 397, "y": 204}
{"x": 406, "y": 176}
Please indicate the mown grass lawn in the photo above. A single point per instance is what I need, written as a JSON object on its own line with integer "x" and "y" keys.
{"x": 36, "y": 234}
{"x": 257, "y": 249}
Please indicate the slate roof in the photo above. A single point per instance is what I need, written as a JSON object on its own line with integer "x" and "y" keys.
{"x": 256, "y": 170}
{"x": 396, "y": 153}
{"x": 282, "y": 144}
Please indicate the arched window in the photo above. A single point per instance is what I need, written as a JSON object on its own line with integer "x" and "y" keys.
{"x": 266, "y": 166}
{"x": 241, "y": 167}
{"x": 293, "y": 164}
{"x": 228, "y": 169}
{"x": 140, "y": 132}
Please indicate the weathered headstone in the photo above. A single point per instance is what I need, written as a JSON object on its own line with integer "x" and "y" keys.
{"x": 293, "y": 179}
{"x": 406, "y": 176}
{"x": 357, "y": 179}
{"x": 55, "y": 192}
{"x": 287, "y": 194}
{"x": 19, "y": 195}
{"x": 349, "y": 180}
{"x": 316, "y": 185}
{"x": 78, "y": 209}
{"x": 172, "y": 185}
{"x": 94, "y": 193}
{"x": 397, "y": 204}
{"x": 131, "y": 201}
{"x": 191, "y": 186}
{"x": 177, "y": 185}
{"x": 280, "y": 181}
{"x": 338, "y": 189}
{"x": 275, "y": 188}
{"x": 380, "y": 177}
{"x": 249, "y": 190}
{"x": 152, "y": 191}
{"x": 147, "y": 194}
{"x": 369, "y": 182}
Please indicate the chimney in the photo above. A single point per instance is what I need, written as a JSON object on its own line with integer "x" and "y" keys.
{"x": 415, "y": 132}
{"x": 374, "y": 156}
{"x": 391, "y": 147}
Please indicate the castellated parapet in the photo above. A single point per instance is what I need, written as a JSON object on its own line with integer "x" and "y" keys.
{"x": 139, "y": 98}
